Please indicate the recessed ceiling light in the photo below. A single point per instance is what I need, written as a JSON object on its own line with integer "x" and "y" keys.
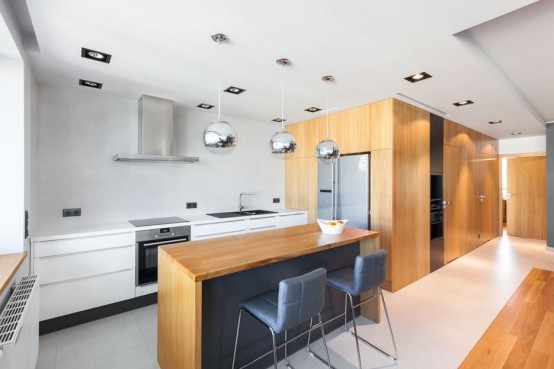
{"x": 516, "y": 133}
{"x": 418, "y": 77}
{"x": 234, "y": 90}
{"x": 463, "y": 103}
{"x": 95, "y": 55}
{"x": 92, "y": 84}
{"x": 313, "y": 109}
{"x": 279, "y": 120}
{"x": 495, "y": 122}
{"x": 204, "y": 106}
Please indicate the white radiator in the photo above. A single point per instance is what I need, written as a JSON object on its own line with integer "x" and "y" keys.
{"x": 19, "y": 326}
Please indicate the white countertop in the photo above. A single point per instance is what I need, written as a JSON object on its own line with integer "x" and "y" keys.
{"x": 56, "y": 233}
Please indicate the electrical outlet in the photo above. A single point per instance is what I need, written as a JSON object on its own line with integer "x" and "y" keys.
{"x": 191, "y": 205}
{"x": 276, "y": 200}
{"x": 73, "y": 212}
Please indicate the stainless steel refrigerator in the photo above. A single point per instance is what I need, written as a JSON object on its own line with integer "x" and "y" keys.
{"x": 344, "y": 190}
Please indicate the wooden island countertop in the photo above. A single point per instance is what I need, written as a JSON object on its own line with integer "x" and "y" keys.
{"x": 201, "y": 260}
{"x": 201, "y": 283}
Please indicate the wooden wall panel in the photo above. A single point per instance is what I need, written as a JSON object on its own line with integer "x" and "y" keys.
{"x": 489, "y": 145}
{"x": 489, "y": 186}
{"x": 526, "y": 207}
{"x": 451, "y": 133}
{"x": 381, "y": 203}
{"x": 382, "y": 127}
{"x": 296, "y": 184}
{"x": 351, "y": 129}
{"x": 454, "y": 242}
{"x": 411, "y": 194}
{"x": 308, "y": 134}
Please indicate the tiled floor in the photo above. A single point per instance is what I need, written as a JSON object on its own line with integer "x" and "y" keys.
{"x": 436, "y": 320}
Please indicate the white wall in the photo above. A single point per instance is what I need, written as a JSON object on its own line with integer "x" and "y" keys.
{"x": 80, "y": 130}
{"x": 11, "y": 142}
{"x": 523, "y": 145}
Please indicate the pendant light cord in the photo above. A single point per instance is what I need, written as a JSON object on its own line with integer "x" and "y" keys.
{"x": 282, "y": 98}
{"x": 219, "y": 79}
{"x": 327, "y": 108}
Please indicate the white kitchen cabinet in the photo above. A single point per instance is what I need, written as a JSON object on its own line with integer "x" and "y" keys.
{"x": 84, "y": 272}
{"x": 290, "y": 220}
{"x": 217, "y": 229}
{"x": 261, "y": 223}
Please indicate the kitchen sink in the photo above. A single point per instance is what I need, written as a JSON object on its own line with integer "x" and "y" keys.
{"x": 244, "y": 213}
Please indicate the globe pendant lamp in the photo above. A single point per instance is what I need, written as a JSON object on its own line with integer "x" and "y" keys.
{"x": 283, "y": 143}
{"x": 327, "y": 151}
{"x": 220, "y": 137}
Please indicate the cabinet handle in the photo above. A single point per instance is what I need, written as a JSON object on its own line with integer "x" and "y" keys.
{"x": 445, "y": 204}
{"x": 86, "y": 277}
{"x": 81, "y": 252}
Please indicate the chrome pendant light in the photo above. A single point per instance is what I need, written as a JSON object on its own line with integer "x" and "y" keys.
{"x": 220, "y": 137}
{"x": 283, "y": 143}
{"x": 327, "y": 151}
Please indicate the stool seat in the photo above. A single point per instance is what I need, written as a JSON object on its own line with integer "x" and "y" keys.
{"x": 264, "y": 307}
{"x": 342, "y": 279}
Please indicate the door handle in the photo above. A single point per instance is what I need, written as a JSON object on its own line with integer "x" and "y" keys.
{"x": 481, "y": 196}
{"x": 445, "y": 204}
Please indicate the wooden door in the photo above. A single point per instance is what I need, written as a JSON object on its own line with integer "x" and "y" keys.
{"x": 301, "y": 185}
{"x": 454, "y": 205}
{"x": 489, "y": 178}
{"x": 526, "y": 205}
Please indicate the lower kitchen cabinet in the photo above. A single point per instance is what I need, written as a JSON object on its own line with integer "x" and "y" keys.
{"x": 290, "y": 220}
{"x": 217, "y": 229}
{"x": 84, "y": 272}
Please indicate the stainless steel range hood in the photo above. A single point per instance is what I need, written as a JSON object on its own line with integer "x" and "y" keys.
{"x": 155, "y": 134}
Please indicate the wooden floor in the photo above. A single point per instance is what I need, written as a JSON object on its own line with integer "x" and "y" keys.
{"x": 522, "y": 335}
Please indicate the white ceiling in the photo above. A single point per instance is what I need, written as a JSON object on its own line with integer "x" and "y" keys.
{"x": 163, "y": 48}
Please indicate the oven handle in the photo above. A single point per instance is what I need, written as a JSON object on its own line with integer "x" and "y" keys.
{"x": 165, "y": 242}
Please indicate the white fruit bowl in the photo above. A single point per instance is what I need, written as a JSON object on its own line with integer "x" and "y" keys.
{"x": 332, "y": 229}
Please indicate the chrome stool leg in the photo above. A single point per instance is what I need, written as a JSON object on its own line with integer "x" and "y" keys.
{"x": 395, "y": 357}
{"x": 355, "y": 330}
{"x": 236, "y": 339}
{"x": 274, "y": 348}
{"x": 324, "y": 340}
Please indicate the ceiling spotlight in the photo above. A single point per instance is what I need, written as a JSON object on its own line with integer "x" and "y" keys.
{"x": 204, "y": 106}
{"x": 278, "y": 120}
{"x": 463, "y": 103}
{"x": 516, "y": 133}
{"x": 234, "y": 90}
{"x": 313, "y": 109}
{"x": 95, "y": 55}
{"x": 418, "y": 77}
{"x": 495, "y": 122}
{"x": 92, "y": 84}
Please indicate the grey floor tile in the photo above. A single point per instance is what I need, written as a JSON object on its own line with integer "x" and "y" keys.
{"x": 132, "y": 358}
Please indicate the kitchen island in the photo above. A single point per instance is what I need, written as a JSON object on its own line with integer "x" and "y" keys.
{"x": 201, "y": 283}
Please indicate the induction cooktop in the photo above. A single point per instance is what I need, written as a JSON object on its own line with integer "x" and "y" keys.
{"x": 156, "y": 221}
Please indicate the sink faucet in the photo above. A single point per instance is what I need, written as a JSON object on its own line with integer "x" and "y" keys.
{"x": 240, "y": 198}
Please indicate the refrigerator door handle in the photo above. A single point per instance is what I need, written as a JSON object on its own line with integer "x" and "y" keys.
{"x": 326, "y": 191}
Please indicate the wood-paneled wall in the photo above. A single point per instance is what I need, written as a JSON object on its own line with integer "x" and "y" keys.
{"x": 397, "y": 135}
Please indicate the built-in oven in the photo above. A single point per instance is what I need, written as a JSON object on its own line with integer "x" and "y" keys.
{"x": 147, "y": 243}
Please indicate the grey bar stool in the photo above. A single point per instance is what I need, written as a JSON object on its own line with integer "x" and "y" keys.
{"x": 368, "y": 273}
{"x": 297, "y": 300}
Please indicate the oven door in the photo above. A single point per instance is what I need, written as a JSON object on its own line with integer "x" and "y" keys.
{"x": 147, "y": 259}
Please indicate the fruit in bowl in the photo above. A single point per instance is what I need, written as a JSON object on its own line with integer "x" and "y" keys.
{"x": 332, "y": 226}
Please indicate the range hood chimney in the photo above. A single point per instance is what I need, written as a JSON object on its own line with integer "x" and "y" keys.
{"x": 155, "y": 134}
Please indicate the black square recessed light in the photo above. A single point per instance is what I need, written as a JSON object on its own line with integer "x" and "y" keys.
{"x": 278, "y": 120}
{"x": 234, "y": 90}
{"x": 313, "y": 109}
{"x": 516, "y": 133}
{"x": 204, "y": 106}
{"x": 92, "y": 84}
{"x": 418, "y": 77}
{"x": 463, "y": 103}
{"x": 495, "y": 122}
{"x": 95, "y": 55}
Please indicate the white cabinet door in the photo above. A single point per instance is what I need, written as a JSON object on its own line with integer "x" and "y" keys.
{"x": 218, "y": 229}
{"x": 86, "y": 264}
{"x": 80, "y": 244}
{"x": 68, "y": 297}
{"x": 290, "y": 220}
{"x": 261, "y": 224}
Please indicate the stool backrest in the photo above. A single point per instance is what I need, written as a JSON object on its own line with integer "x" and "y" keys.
{"x": 369, "y": 271}
{"x": 300, "y": 298}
